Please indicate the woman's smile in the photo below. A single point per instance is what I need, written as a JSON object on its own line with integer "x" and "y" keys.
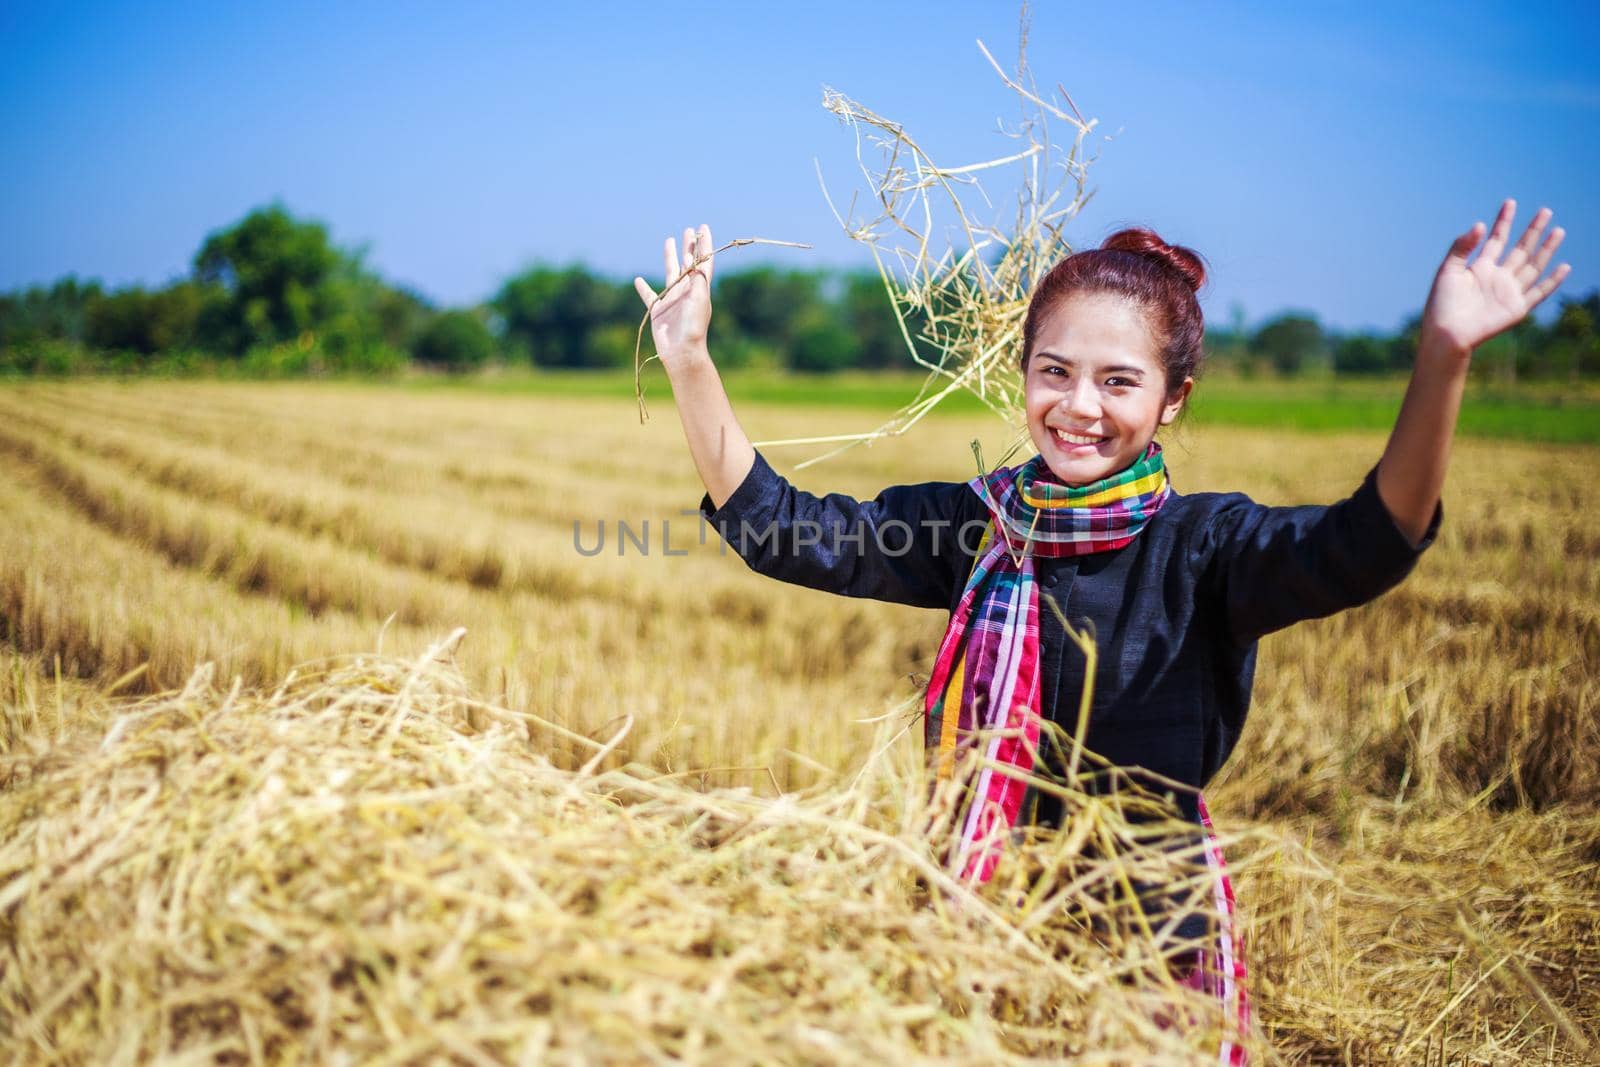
{"x": 1072, "y": 439}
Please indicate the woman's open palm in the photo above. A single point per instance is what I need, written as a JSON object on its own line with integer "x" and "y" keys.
{"x": 681, "y": 315}
{"x": 1470, "y": 304}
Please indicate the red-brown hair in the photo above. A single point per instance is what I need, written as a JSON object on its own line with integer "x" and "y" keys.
{"x": 1136, "y": 263}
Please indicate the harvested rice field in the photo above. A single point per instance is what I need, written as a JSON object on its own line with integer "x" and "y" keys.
{"x": 262, "y": 802}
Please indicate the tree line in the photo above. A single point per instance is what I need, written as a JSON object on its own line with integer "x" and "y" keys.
{"x": 273, "y": 295}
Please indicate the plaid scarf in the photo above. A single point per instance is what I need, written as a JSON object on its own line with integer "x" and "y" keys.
{"x": 989, "y": 658}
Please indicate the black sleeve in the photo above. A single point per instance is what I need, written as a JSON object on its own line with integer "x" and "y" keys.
{"x": 1274, "y": 566}
{"x": 904, "y": 546}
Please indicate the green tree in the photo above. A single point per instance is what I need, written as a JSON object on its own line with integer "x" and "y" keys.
{"x": 457, "y": 341}
{"x": 145, "y": 322}
{"x": 175, "y": 314}
{"x": 57, "y": 313}
{"x": 1361, "y": 353}
{"x": 1510, "y": 355}
{"x": 1575, "y": 336}
{"x": 821, "y": 343}
{"x": 121, "y": 321}
{"x": 550, "y": 315}
{"x": 284, "y": 278}
{"x": 399, "y": 316}
{"x": 869, "y": 316}
{"x": 1401, "y": 349}
{"x": 1290, "y": 341}
{"x": 766, "y": 304}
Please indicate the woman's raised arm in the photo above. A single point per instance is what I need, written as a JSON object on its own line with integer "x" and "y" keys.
{"x": 679, "y": 320}
{"x": 1466, "y": 306}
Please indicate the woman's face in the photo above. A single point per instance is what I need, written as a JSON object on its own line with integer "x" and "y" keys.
{"x": 1095, "y": 389}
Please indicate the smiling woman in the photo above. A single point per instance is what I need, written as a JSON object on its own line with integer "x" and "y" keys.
{"x": 1176, "y": 588}
{"x": 1110, "y": 346}
{"x": 1095, "y": 391}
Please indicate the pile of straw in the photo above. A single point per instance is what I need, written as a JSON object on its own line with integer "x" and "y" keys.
{"x": 1460, "y": 935}
{"x": 368, "y": 863}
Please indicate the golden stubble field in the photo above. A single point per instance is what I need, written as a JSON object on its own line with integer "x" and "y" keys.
{"x": 1416, "y": 795}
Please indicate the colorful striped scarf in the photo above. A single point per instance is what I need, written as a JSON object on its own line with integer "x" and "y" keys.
{"x": 986, "y": 674}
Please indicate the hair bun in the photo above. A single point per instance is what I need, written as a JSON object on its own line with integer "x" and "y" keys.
{"x": 1148, "y": 243}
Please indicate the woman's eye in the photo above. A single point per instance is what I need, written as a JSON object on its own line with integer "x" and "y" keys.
{"x": 1118, "y": 383}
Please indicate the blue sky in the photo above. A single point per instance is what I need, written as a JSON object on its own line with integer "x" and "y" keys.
{"x": 1319, "y": 157}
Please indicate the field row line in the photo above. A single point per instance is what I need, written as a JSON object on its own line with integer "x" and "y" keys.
{"x": 718, "y": 590}
{"x": 560, "y": 457}
{"x": 474, "y": 481}
{"x": 73, "y": 591}
{"x": 340, "y": 515}
{"x": 76, "y": 590}
{"x": 257, "y": 557}
{"x": 253, "y": 557}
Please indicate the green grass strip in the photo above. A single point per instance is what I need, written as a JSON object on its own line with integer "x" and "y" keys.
{"x": 1534, "y": 412}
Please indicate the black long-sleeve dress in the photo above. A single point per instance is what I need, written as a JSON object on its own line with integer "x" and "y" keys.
{"x": 1176, "y": 614}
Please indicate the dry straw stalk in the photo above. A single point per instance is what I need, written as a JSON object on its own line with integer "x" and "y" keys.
{"x": 367, "y": 862}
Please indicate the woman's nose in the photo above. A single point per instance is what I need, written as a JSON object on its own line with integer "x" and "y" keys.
{"x": 1081, "y": 401}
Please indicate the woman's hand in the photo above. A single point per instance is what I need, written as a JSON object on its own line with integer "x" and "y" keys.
{"x": 679, "y": 318}
{"x": 681, "y": 315}
{"x": 1469, "y": 305}
{"x": 1466, "y": 307}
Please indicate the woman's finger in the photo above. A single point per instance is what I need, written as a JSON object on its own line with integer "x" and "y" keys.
{"x": 1498, "y": 233}
{"x": 647, "y": 294}
{"x": 706, "y": 250}
{"x": 1529, "y": 241}
{"x": 1537, "y": 294}
{"x": 688, "y": 249}
{"x": 1462, "y": 246}
{"x": 671, "y": 259}
{"x": 1541, "y": 259}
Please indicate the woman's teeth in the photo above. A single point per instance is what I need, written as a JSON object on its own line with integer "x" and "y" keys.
{"x": 1078, "y": 438}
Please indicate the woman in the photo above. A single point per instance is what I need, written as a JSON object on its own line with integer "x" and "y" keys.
{"x": 1178, "y": 588}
